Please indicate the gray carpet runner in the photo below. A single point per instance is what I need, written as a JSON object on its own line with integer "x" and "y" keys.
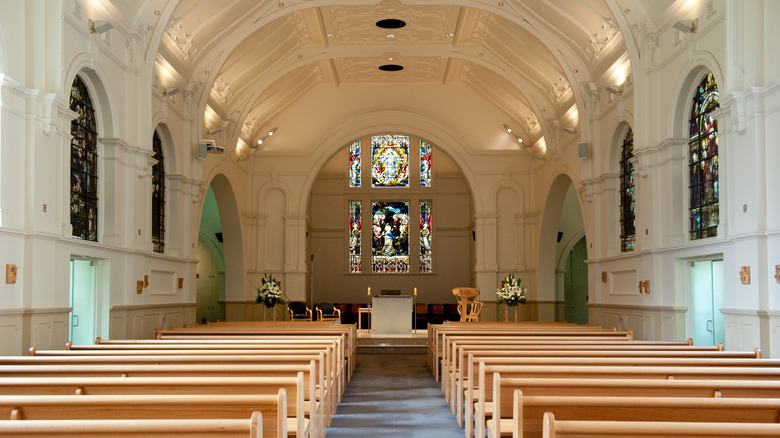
{"x": 393, "y": 395}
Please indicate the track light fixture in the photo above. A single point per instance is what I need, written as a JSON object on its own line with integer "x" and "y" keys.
{"x": 685, "y": 26}
{"x": 511, "y": 132}
{"x": 99, "y": 26}
{"x": 263, "y": 139}
{"x": 615, "y": 89}
{"x": 170, "y": 91}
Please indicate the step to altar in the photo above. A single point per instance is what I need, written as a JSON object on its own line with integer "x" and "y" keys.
{"x": 416, "y": 342}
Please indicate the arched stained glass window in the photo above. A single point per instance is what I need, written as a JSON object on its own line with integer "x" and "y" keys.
{"x": 627, "y": 195}
{"x": 158, "y": 196}
{"x": 703, "y": 161}
{"x": 83, "y": 164}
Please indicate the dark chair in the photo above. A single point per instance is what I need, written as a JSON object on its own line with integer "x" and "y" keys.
{"x": 346, "y": 316}
{"x": 327, "y": 312}
{"x": 298, "y": 311}
{"x": 436, "y": 314}
{"x": 421, "y": 311}
{"x": 390, "y": 292}
{"x": 355, "y": 309}
{"x": 451, "y": 312}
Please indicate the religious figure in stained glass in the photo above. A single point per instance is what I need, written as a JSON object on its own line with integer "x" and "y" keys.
{"x": 703, "y": 161}
{"x": 426, "y": 236}
{"x": 158, "y": 196}
{"x": 425, "y": 164}
{"x": 390, "y": 161}
{"x": 627, "y": 195}
{"x": 83, "y": 164}
{"x": 354, "y": 164}
{"x": 390, "y": 236}
{"x": 355, "y": 228}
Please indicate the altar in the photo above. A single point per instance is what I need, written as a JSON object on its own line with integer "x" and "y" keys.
{"x": 392, "y": 314}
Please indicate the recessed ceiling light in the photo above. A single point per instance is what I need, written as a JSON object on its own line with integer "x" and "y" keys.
{"x": 390, "y": 59}
{"x": 391, "y": 67}
{"x": 391, "y": 23}
{"x": 330, "y": 35}
{"x": 450, "y": 34}
{"x": 390, "y": 35}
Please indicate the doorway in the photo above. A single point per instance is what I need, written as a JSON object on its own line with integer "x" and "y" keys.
{"x": 575, "y": 284}
{"x": 88, "y": 302}
{"x": 707, "y": 322}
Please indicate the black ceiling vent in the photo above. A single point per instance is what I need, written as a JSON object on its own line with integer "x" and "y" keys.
{"x": 391, "y": 67}
{"x": 390, "y": 23}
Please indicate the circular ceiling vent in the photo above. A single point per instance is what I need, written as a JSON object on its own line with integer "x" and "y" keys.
{"x": 391, "y": 67}
{"x": 391, "y": 23}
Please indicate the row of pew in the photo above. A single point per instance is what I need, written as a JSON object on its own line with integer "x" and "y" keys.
{"x": 227, "y": 379}
{"x": 535, "y": 379}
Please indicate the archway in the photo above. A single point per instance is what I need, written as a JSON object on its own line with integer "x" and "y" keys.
{"x": 220, "y": 233}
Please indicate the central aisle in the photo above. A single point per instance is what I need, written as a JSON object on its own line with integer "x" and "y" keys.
{"x": 393, "y": 395}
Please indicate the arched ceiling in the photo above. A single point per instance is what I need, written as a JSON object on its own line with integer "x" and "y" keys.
{"x": 249, "y": 65}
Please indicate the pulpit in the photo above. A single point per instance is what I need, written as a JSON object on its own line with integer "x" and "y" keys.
{"x": 392, "y": 314}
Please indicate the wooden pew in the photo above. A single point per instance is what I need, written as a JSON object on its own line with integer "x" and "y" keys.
{"x": 531, "y": 409}
{"x": 297, "y": 423}
{"x": 552, "y": 428}
{"x": 613, "y": 372}
{"x": 504, "y": 392}
{"x": 314, "y": 405}
{"x": 198, "y": 428}
{"x": 469, "y": 384}
{"x": 158, "y": 406}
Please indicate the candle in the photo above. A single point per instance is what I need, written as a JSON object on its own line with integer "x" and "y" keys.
{"x": 415, "y": 291}
{"x": 369, "y": 291}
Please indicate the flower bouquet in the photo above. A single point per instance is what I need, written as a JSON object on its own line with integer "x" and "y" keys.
{"x": 270, "y": 294}
{"x": 511, "y": 293}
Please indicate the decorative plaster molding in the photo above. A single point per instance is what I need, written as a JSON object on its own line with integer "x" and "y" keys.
{"x": 602, "y": 39}
{"x": 559, "y": 88}
{"x": 777, "y": 273}
{"x": 182, "y": 40}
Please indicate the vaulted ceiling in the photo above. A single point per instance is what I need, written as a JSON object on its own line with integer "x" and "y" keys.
{"x": 535, "y": 63}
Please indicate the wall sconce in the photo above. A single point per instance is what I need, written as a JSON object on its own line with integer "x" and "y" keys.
{"x": 685, "y": 26}
{"x": 603, "y": 276}
{"x": 146, "y": 281}
{"x": 139, "y": 287}
{"x": 615, "y": 89}
{"x": 99, "y": 26}
{"x": 644, "y": 286}
{"x": 10, "y": 274}
{"x": 181, "y": 282}
{"x": 744, "y": 274}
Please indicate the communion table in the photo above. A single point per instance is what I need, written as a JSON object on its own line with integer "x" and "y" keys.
{"x": 392, "y": 314}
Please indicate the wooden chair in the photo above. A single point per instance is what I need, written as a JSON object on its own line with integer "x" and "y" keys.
{"x": 421, "y": 316}
{"x": 327, "y": 312}
{"x": 469, "y": 305}
{"x": 298, "y": 311}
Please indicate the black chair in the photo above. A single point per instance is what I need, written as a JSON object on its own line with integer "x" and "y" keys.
{"x": 298, "y": 311}
{"x": 422, "y": 316}
{"x": 436, "y": 313}
{"x": 327, "y": 312}
{"x": 346, "y": 316}
{"x": 451, "y": 312}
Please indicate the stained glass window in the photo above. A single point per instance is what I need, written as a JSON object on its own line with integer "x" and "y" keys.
{"x": 158, "y": 196}
{"x": 390, "y": 237}
{"x": 354, "y": 164}
{"x": 627, "y": 195}
{"x": 703, "y": 161}
{"x": 425, "y": 164}
{"x": 426, "y": 236}
{"x": 389, "y": 161}
{"x": 83, "y": 164}
{"x": 355, "y": 228}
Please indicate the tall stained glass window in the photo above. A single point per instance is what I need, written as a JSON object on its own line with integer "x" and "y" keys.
{"x": 426, "y": 236}
{"x": 425, "y": 164}
{"x": 390, "y": 161}
{"x": 158, "y": 196}
{"x": 83, "y": 164}
{"x": 390, "y": 236}
{"x": 627, "y": 195}
{"x": 703, "y": 161}
{"x": 354, "y": 164}
{"x": 355, "y": 228}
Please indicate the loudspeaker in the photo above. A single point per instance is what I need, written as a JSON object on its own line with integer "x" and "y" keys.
{"x": 202, "y": 151}
{"x": 582, "y": 151}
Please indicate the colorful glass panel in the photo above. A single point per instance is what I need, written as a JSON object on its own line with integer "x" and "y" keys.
{"x": 158, "y": 196}
{"x": 425, "y": 164}
{"x": 390, "y": 237}
{"x": 627, "y": 195}
{"x": 354, "y": 164}
{"x": 703, "y": 161}
{"x": 83, "y": 164}
{"x": 389, "y": 161}
{"x": 426, "y": 237}
{"x": 355, "y": 229}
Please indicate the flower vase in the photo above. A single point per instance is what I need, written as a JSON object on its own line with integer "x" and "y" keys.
{"x": 272, "y": 316}
{"x": 516, "y": 312}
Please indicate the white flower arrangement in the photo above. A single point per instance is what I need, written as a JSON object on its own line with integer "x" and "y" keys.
{"x": 270, "y": 294}
{"x": 511, "y": 292}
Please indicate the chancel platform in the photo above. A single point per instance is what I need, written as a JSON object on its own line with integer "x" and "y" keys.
{"x": 414, "y": 342}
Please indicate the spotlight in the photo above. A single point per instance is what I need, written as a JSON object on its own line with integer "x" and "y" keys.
{"x": 99, "y": 26}
{"x": 615, "y": 89}
{"x": 170, "y": 91}
{"x": 685, "y": 26}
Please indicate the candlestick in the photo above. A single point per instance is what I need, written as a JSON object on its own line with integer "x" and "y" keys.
{"x": 369, "y": 291}
{"x": 415, "y": 291}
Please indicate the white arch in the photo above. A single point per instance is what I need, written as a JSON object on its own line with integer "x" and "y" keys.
{"x": 95, "y": 78}
{"x": 688, "y": 78}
